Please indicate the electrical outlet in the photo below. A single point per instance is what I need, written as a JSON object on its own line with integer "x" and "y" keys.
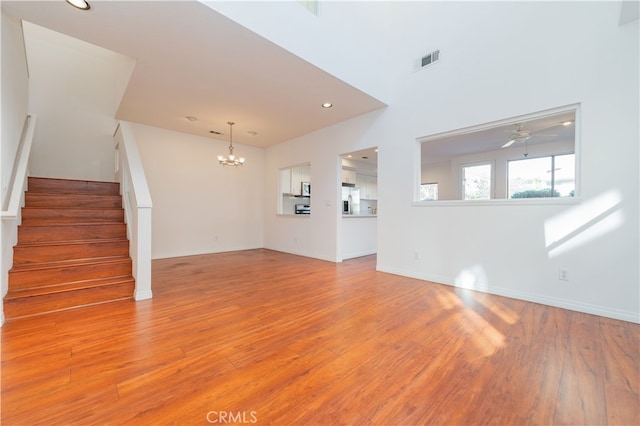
{"x": 563, "y": 275}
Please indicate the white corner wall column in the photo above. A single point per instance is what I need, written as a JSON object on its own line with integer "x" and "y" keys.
{"x": 137, "y": 204}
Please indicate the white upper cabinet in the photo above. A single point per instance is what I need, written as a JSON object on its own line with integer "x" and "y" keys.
{"x": 291, "y": 179}
{"x": 348, "y": 176}
{"x": 368, "y": 186}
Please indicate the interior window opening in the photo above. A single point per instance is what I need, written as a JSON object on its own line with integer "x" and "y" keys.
{"x": 531, "y": 156}
{"x": 294, "y": 191}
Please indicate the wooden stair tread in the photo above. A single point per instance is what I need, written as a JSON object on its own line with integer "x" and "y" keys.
{"x": 56, "y": 185}
{"x": 67, "y": 193}
{"x": 28, "y": 233}
{"x": 69, "y": 263}
{"x": 62, "y": 194}
{"x": 71, "y": 242}
{"x": 42, "y": 224}
{"x": 43, "y": 199}
{"x": 13, "y": 316}
{"x": 90, "y": 208}
{"x": 67, "y": 224}
{"x": 63, "y": 287}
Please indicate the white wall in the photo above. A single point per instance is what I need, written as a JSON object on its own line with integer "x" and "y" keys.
{"x": 442, "y": 174}
{"x": 15, "y": 96}
{"x": 499, "y": 60}
{"x": 341, "y": 39}
{"x": 75, "y": 89}
{"x": 200, "y": 206}
{"x": 14, "y": 111}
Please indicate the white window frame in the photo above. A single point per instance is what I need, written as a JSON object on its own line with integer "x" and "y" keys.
{"x": 492, "y": 177}
{"x": 553, "y": 179}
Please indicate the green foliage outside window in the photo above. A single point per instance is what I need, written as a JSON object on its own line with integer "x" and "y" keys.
{"x": 536, "y": 193}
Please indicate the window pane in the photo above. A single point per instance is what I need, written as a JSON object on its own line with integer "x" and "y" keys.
{"x": 530, "y": 178}
{"x": 476, "y": 182}
{"x": 565, "y": 175}
{"x": 429, "y": 191}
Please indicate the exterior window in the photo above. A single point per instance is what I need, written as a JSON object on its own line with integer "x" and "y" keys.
{"x": 551, "y": 176}
{"x": 429, "y": 191}
{"x": 476, "y": 181}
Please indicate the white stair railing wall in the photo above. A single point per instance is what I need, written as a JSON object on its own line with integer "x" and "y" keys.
{"x": 137, "y": 204}
{"x": 17, "y": 186}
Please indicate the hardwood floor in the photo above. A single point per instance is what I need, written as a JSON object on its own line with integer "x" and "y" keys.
{"x": 269, "y": 338}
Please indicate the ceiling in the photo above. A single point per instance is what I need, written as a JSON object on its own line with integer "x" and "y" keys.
{"x": 193, "y": 61}
{"x": 491, "y": 137}
{"x": 368, "y": 157}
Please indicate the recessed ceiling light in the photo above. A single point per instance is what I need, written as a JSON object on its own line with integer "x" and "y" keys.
{"x": 376, "y": 150}
{"x": 252, "y": 133}
{"x": 567, "y": 123}
{"x": 327, "y": 105}
{"x": 80, "y": 4}
{"x": 191, "y": 118}
{"x": 349, "y": 156}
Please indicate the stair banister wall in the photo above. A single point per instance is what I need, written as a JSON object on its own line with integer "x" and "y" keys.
{"x": 11, "y": 210}
{"x": 137, "y": 204}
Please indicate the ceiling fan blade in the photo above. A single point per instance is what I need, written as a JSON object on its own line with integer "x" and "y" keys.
{"x": 508, "y": 144}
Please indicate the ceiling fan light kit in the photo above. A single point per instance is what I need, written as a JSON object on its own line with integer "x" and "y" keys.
{"x": 79, "y": 4}
{"x": 520, "y": 135}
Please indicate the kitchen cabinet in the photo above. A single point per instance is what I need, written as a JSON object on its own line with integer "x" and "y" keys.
{"x": 368, "y": 186}
{"x": 348, "y": 176}
{"x": 291, "y": 179}
{"x": 298, "y": 175}
{"x": 285, "y": 181}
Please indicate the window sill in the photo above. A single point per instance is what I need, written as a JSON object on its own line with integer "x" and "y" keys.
{"x": 567, "y": 201}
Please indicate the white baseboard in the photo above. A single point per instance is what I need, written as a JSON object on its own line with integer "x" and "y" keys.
{"x": 142, "y": 295}
{"x": 571, "y": 305}
{"x": 358, "y": 254}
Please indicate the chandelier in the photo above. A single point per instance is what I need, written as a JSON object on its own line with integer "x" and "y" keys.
{"x": 231, "y": 159}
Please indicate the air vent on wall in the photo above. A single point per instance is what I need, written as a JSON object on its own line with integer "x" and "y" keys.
{"x": 428, "y": 59}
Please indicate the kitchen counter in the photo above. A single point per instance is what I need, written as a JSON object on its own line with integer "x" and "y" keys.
{"x": 359, "y": 236}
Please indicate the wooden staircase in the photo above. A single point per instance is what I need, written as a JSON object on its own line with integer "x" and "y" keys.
{"x": 72, "y": 248}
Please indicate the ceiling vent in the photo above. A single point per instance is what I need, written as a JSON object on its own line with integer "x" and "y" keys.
{"x": 428, "y": 59}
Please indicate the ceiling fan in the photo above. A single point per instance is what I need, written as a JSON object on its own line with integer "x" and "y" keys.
{"x": 521, "y": 135}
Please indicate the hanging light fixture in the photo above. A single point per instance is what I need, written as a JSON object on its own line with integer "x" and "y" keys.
{"x": 231, "y": 159}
